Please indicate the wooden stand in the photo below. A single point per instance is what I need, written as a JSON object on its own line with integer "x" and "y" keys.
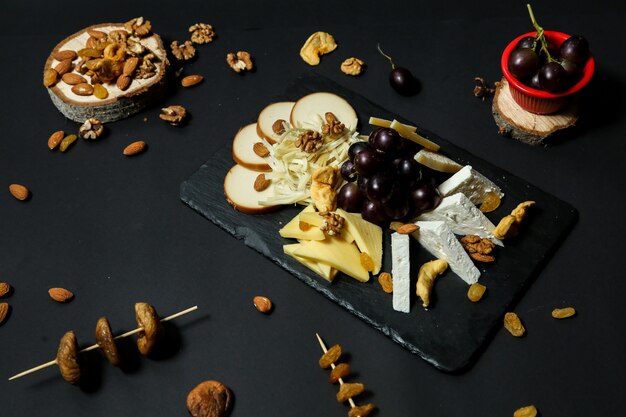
{"x": 529, "y": 128}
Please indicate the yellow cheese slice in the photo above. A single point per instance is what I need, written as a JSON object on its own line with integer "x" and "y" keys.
{"x": 292, "y": 229}
{"x": 407, "y": 133}
{"x": 376, "y": 121}
{"x": 324, "y": 270}
{"x": 337, "y": 253}
{"x": 316, "y": 220}
{"x": 367, "y": 236}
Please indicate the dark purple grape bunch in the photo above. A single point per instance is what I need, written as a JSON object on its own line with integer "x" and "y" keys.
{"x": 541, "y": 67}
{"x": 384, "y": 181}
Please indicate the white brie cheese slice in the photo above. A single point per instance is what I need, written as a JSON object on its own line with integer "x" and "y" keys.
{"x": 400, "y": 272}
{"x": 437, "y": 238}
{"x": 462, "y": 216}
{"x": 471, "y": 183}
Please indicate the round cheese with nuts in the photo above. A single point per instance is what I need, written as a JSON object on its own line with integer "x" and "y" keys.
{"x": 108, "y": 71}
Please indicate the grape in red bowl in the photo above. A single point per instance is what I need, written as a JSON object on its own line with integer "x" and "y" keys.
{"x": 559, "y": 82}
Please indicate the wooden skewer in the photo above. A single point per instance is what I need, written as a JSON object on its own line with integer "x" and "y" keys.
{"x": 332, "y": 365}
{"x": 95, "y": 346}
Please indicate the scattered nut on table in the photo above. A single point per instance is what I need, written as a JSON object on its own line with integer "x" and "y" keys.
{"x": 202, "y": 33}
{"x": 263, "y": 304}
{"x": 183, "y": 52}
{"x": 352, "y": 66}
{"x": 241, "y": 61}
{"x": 174, "y": 115}
{"x": 91, "y": 129}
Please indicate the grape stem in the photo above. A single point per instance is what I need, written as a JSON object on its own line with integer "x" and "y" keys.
{"x": 393, "y": 66}
{"x": 540, "y": 34}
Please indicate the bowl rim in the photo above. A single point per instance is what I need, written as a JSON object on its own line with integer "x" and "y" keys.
{"x": 588, "y": 69}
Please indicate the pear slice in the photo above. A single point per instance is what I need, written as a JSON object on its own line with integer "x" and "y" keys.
{"x": 240, "y": 192}
{"x": 309, "y": 111}
{"x": 269, "y": 115}
{"x": 243, "y": 152}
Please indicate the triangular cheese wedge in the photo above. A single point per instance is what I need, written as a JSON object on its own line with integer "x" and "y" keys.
{"x": 337, "y": 253}
{"x": 367, "y": 236}
{"x": 293, "y": 230}
{"x": 314, "y": 219}
{"x": 324, "y": 270}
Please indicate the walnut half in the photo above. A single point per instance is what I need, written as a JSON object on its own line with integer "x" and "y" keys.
{"x": 174, "y": 115}
{"x": 202, "y": 33}
{"x": 183, "y": 52}
{"x": 242, "y": 61}
{"x": 352, "y": 66}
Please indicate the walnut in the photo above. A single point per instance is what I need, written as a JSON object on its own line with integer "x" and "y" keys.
{"x": 478, "y": 248}
{"x": 91, "y": 129}
{"x": 139, "y": 27}
{"x": 333, "y": 127}
{"x": 319, "y": 43}
{"x": 332, "y": 224}
{"x": 147, "y": 68}
{"x": 174, "y": 115}
{"x": 134, "y": 48}
{"x": 309, "y": 141}
{"x": 352, "y": 66}
{"x": 105, "y": 69}
{"x": 118, "y": 36}
{"x": 202, "y": 33}
{"x": 183, "y": 52}
{"x": 240, "y": 62}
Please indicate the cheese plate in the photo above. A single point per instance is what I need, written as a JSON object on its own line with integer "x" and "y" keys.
{"x": 452, "y": 332}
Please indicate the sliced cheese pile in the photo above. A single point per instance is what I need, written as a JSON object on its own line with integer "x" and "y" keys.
{"x": 325, "y": 255}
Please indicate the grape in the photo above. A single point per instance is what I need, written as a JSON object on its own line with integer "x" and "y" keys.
{"x": 385, "y": 140}
{"x": 575, "y": 49}
{"x": 424, "y": 197}
{"x": 367, "y": 162}
{"x": 552, "y": 76}
{"x": 397, "y": 206}
{"x": 407, "y": 148}
{"x": 350, "y": 198}
{"x": 528, "y": 42}
{"x": 374, "y": 212}
{"x": 408, "y": 171}
{"x": 523, "y": 62}
{"x": 572, "y": 71}
{"x": 362, "y": 183}
{"x": 380, "y": 187}
{"x": 403, "y": 81}
{"x": 348, "y": 171}
{"x": 355, "y": 148}
{"x": 534, "y": 82}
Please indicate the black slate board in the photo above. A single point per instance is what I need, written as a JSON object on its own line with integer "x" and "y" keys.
{"x": 451, "y": 333}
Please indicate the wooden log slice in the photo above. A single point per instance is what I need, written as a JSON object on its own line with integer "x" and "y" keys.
{"x": 529, "y": 128}
{"x": 119, "y": 103}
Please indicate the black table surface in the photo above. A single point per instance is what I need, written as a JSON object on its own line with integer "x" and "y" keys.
{"x": 114, "y": 231}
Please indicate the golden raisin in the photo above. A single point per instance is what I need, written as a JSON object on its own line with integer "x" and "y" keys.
{"x": 361, "y": 410}
{"x": 50, "y": 77}
{"x": 563, "y": 313}
{"x": 491, "y": 202}
{"x": 528, "y": 411}
{"x": 386, "y": 282}
{"x": 514, "y": 325}
{"x": 304, "y": 226}
{"x": 67, "y": 141}
{"x": 100, "y": 91}
{"x": 330, "y": 356}
{"x": 349, "y": 390}
{"x": 476, "y": 292}
{"x": 341, "y": 370}
{"x": 367, "y": 262}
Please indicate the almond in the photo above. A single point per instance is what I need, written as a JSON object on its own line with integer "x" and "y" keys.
{"x": 191, "y": 80}
{"x": 261, "y": 183}
{"x": 130, "y": 66}
{"x": 63, "y": 55}
{"x": 19, "y": 191}
{"x": 135, "y": 148}
{"x": 82, "y": 89}
{"x": 73, "y": 79}
{"x": 91, "y": 43}
{"x": 64, "y": 66}
{"x": 263, "y": 304}
{"x": 4, "y": 311}
{"x": 407, "y": 228}
{"x": 98, "y": 34}
{"x": 60, "y": 295}
{"x": 55, "y": 139}
{"x": 260, "y": 149}
{"x": 4, "y": 288}
{"x": 123, "y": 82}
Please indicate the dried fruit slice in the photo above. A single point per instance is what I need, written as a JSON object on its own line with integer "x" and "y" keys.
{"x": 330, "y": 357}
{"x": 361, "y": 410}
{"x": 269, "y": 115}
{"x": 341, "y": 370}
{"x": 349, "y": 390}
{"x": 67, "y": 358}
{"x": 243, "y": 149}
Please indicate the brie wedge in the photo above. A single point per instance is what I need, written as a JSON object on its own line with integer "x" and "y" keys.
{"x": 471, "y": 183}
{"x": 400, "y": 272}
{"x": 437, "y": 238}
{"x": 463, "y": 218}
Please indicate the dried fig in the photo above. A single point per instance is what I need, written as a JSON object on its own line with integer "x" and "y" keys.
{"x": 104, "y": 339}
{"x": 67, "y": 358}
{"x": 209, "y": 399}
{"x": 148, "y": 319}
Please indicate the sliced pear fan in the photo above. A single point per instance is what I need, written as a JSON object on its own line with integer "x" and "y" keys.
{"x": 269, "y": 115}
{"x": 240, "y": 192}
{"x": 309, "y": 111}
{"x": 243, "y": 152}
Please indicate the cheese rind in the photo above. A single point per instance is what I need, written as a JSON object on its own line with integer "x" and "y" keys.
{"x": 463, "y": 218}
{"x": 401, "y": 272}
{"x": 471, "y": 183}
{"x": 437, "y": 238}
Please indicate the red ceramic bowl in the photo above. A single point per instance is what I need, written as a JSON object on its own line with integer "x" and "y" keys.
{"x": 539, "y": 101}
